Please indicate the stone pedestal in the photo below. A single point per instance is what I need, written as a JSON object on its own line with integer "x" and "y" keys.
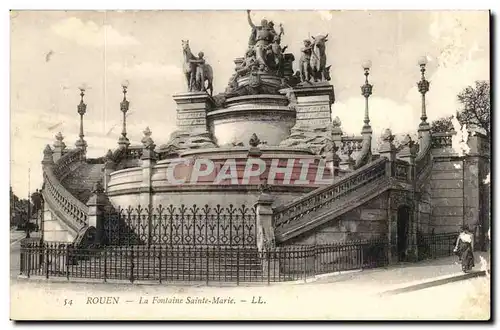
{"x": 192, "y": 110}
{"x": 313, "y": 104}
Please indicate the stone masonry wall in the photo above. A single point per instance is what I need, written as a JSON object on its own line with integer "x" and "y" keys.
{"x": 447, "y": 195}
{"x": 368, "y": 221}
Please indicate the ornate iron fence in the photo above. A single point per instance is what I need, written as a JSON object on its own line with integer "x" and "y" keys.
{"x": 190, "y": 226}
{"x": 210, "y": 263}
{"x": 197, "y": 263}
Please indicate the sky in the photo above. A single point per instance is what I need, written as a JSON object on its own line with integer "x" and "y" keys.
{"x": 54, "y": 52}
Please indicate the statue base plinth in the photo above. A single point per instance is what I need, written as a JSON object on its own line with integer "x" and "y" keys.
{"x": 192, "y": 110}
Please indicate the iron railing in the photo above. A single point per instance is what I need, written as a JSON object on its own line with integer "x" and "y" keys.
{"x": 197, "y": 263}
{"x": 190, "y": 226}
{"x": 436, "y": 245}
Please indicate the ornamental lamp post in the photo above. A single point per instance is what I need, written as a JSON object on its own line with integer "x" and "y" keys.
{"x": 124, "y": 106}
{"x": 366, "y": 91}
{"x": 81, "y": 109}
{"x": 423, "y": 88}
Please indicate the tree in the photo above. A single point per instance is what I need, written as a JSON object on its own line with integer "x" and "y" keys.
{"x": 442, "y": 125}
{"x": 475, "y": 106}
{"x": 36, "y": 199}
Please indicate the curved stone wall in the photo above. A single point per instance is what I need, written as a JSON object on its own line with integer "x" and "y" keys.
{"x": 164, "y": 183}
{"x": 266, "y": 115}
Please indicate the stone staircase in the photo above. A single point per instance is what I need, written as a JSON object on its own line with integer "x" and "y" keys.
{"x": 328, "y": 203}
{"x": 81, "y": 181}
{"x": 341, "y": 206}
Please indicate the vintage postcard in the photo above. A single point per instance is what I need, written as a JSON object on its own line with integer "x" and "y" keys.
{"x": 250, "y": 165}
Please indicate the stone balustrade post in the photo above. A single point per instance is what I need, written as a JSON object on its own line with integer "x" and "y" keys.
{"x": 148, "y": 162}
{"x": 349, "y": 163}
{"x": 388, "y": 150}
{"x": 408, "y": 154}
{"x": 96, "y": 205}
{"x": 337, "y": 132}
{"x": 48, "y": 156}
{"x": 59, "y": 147}
{"x": 109, "y": 167}
{"x": 265, "y": 235}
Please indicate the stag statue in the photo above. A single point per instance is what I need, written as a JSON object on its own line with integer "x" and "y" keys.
{"x": 196, "y": 70}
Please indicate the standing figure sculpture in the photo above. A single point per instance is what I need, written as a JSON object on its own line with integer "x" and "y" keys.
{"x": 305, "y": 61}
{"x": 196, "y": 70}
{"x": 318, "y": 58}
{"x": 260, "y": 38}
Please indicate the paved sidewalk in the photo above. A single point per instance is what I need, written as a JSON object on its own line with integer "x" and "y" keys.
{"x": 404, "y": 275}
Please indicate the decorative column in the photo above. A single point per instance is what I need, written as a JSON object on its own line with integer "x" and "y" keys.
{"x": 365, "y": 155}
{"x": 96, "y": 204}
{"x": 59, "y": 147}
{"x": 366, "y": 91}
{"x": 424, "y": 129}
{"x": 423, "y": 88}
{"x": 123, "y": 141}
{"x": 82, "y": 109}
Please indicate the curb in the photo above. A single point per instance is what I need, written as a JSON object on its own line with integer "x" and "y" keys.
{"x": 64, "y": 279}
{"x": 433, "y": 283}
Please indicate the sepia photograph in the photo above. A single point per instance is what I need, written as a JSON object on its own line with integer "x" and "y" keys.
{"x": 250, "y": 165}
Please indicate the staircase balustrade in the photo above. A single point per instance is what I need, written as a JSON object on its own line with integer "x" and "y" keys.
{"x": 316, "y": 199}
{"x": 73, "y": 211}
{"x": 63, "y": 165}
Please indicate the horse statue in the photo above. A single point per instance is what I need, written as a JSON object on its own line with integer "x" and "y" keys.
{"x": 318, "y": 58}
{"x": 193, "y": 68}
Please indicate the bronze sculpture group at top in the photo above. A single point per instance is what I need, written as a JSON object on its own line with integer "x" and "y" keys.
{"x": 263, "y": 56}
